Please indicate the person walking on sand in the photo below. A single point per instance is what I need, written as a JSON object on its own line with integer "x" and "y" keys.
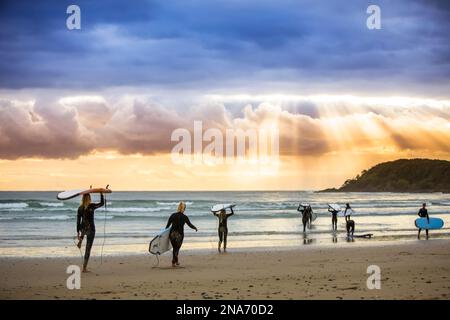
{"x": 423, "y": 213}
{"x": 86, "y": 225}
{"x": 223, "y": 227}
{"x": 176, "y": 235}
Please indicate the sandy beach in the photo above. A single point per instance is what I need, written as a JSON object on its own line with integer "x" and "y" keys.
{"x": 410, "y": 270}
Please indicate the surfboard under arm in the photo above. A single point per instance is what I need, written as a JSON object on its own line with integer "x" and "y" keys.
{"x": 161, "y": 243}
{"x": 334, "y": 207}
{"x": 430, "y": 223}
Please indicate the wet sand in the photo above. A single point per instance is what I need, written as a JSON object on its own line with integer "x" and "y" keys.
{"x": 410, "y": 270}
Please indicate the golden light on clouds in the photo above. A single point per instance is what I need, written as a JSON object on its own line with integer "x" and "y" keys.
{"x": 323, "y": 140}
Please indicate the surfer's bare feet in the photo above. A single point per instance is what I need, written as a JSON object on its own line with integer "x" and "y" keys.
{"x": 174, "y": 265}
{"x": 85, "y": 270}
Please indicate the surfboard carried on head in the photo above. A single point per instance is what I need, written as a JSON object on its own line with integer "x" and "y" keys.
{"x": 433, "y": 223}
{"x": 161, "y": 243}
{"x": 222, "y": 206}
{"x": 69, "y": 194}
{"x": 334, "y": 207}
{"x": 306, "y": 205}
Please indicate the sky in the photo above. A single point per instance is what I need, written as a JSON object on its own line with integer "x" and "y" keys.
{"x": 98, "y": 105}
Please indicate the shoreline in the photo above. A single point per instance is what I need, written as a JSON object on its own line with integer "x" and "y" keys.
{"x": 192, "y": 248}
{"x": 419, "y": 270}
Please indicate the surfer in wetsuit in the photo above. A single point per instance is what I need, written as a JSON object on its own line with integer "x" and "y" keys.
{"x": 306, "y": 212}
{"x": 176, "y": 235}
{"x": 423, "y": 213}
{"x": 223, "y": 227}
{"x": 86, "y": 225}
{"x": 333, "y": 218}
{"x": 310, "y": 216}
{"x": 350, "y": 227}
{"x": 350, "y": 224}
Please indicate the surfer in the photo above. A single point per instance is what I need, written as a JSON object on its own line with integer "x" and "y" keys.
{"x": 347, "y": 208}
{"x": 423, "y": 213}
{"x": 334, "y": 213}
{"x": 349, "y": 223}
{"x": 176, "y": 236}
{"x": 306, "y": 212}
{"x": 223, "y": 227}
{"x": 86, "y": 225}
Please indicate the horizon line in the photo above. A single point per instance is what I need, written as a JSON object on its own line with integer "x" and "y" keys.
{"x": 229, "y": 190}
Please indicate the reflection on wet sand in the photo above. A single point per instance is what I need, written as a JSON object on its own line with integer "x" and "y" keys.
{"x": 307, "y": 240}
{"x": 334, "y": 237}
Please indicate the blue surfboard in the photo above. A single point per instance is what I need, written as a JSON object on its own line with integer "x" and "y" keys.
{"x": 435, "y": 223}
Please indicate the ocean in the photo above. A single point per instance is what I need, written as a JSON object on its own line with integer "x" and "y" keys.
{"x": 36, "y": 224}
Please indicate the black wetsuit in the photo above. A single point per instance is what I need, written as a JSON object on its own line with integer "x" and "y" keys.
{"x": 333, "y": 218}
{"x": 306, "y": 215}
{"x": 176, "y": 236}
{"x": 86, "y": 225}
{"x": 423, "y": 213}
{"x": 350, "y": 224}
{"x": 223, "y": 228}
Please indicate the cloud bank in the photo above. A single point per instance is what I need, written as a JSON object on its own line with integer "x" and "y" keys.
{"x": 309, "y": 126}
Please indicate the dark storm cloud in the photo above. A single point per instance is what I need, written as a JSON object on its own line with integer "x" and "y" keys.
{"x": 219, "y": 44}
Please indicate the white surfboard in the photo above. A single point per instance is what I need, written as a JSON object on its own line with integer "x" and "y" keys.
{"x": 304, "y": 204}
{"x": 69, "y": 194}
{"x": 221, "y": 206}
{"x": 334, "y": 206}
{"x": 344, "y": 213}
{"x": 160, "y": 243}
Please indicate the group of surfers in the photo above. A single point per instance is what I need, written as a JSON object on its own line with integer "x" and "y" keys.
{"x": 307, "y": 214}
{"x": 177, "y": 220}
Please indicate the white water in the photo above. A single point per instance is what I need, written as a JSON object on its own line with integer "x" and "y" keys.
{"x": 33, "y": 221}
